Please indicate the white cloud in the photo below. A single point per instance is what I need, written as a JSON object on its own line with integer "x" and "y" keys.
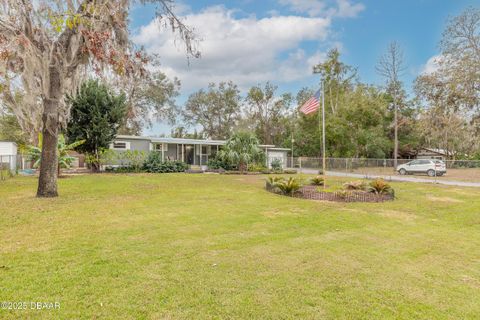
{"x": 348, "y": 10}
{"x": 245, "y": 50}
{"x": 321, "y": 8}
{"x": 432, "y": 65}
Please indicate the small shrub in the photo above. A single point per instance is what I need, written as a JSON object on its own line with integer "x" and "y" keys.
{"x": 317, "y": 181}
{"x": 289, "y": 187}
{"x": 256, "y": 167}
{"x": 354, "y": 185}
{"x": 272, "y": 183}
{"x": 266, "y": 171}
{"x": 219, "y": 163}
{"x": 379, "y": 186}
{"x": 290, "y": 171}
{"x": 320, "y": 172}
{"x": 342, "y": 194}
{"x": 276, "y": 165}
{"x": 154, "y": 164}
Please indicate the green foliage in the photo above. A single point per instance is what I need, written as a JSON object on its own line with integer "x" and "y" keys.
{"x": 257, "y": 167}
{"x": 96, "y": 115}
{"x": 289, "y": 187}
{"x": 10, "y": 130}
{"x": 354, "y": 185}
{"x": 240, "y": 150}
{"x": 216, "y": 109}
{"x": 135, "y": 159}
{"x": 272, "y": 183}
{"x": 290, "y": 171}
{"x": 64, "y": 160}
{"x": 276, "y": 164}
{"x": 154, "y": 164}
{"x": 379, "y": 186}
{"x": 219, "y": 163}
{"x": 104, "y": 156}
{"x": 267, "y": 113}
{"x": 317, "y": 181}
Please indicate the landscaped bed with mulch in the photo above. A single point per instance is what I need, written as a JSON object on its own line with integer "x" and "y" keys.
{"x": 354, "y": 191}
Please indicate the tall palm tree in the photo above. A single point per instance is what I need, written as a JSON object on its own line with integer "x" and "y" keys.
{"x": 241, "y": 149}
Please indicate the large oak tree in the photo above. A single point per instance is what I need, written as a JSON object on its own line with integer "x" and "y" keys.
{"x": 47, "y": 47}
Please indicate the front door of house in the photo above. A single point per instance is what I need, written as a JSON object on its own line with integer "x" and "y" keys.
{"x": 189, "y": 154}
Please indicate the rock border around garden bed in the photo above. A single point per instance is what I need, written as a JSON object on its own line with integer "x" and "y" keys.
{"x": 312, "y": 193}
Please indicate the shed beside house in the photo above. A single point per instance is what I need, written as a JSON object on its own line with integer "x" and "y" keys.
{"x": 8, "y": 155}
{"x": 273, "y": 154}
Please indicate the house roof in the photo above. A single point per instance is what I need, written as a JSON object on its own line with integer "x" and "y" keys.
{"x": 438, "y": 151}
{"x": 188, "y": 141}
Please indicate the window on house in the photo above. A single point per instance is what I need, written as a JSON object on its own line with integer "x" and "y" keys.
{"x": 206, "y": 150}
{"x": 158, "y": 147}
{"x": 121, "y": 145}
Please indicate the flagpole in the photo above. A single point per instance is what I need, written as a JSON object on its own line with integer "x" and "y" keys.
{"x": 323, "y": 136}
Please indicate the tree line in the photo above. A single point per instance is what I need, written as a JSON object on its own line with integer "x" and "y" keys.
{"x": 362, "y": 120}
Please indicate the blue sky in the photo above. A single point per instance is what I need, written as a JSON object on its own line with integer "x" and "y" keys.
{"x": 250, "y": 42}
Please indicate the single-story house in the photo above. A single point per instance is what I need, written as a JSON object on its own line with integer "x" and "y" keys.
{"x": 8, "y": 155}
{"x": 194, "y": 152}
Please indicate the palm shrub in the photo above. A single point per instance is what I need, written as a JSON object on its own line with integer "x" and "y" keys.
{"x": 272, "y": 183}
{"x": 354, "y": 185}
{"x": 379, "y": 186}
{"x": 289, "y": 187}
{"x": 317, "y": 181}
{"x": 240, "y": 150}
{"x": 64, "y": 159}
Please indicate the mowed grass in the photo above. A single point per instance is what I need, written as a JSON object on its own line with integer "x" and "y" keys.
{"x": 178, "y": 246}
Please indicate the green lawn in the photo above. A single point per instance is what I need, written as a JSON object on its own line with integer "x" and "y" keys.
{"x": 177, "y": 246}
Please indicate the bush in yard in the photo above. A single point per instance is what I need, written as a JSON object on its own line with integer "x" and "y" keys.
{"x": 289, "y": 187}
{"x": 290, "y": 171}
{"x": 272, "y": 183}
{"x": 154, "y": 164}
{"x": 256, "y": 167}
{"x": 103, "y": 157}
{"x": 276, "y": 165}
{"x": 379, "y": 186}
{"x": 135, "y": 159}
{"x": 354, "y": 185}
{"x": 219, "y": 163}
{"x": 317, "y": 181}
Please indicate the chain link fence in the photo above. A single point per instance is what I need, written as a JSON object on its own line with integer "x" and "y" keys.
{"x": 459, "y": 170}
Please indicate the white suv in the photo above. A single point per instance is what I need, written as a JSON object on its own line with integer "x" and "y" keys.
{"x": 431, "y": 167}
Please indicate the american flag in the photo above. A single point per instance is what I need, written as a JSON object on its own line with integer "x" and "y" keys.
{"x": 312, "y": 104}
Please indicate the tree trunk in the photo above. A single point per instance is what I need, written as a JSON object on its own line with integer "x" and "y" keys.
{"x": 47, "y": 181}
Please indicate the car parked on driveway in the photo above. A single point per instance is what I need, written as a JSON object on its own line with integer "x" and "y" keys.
{"x": 431, "y": 167}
